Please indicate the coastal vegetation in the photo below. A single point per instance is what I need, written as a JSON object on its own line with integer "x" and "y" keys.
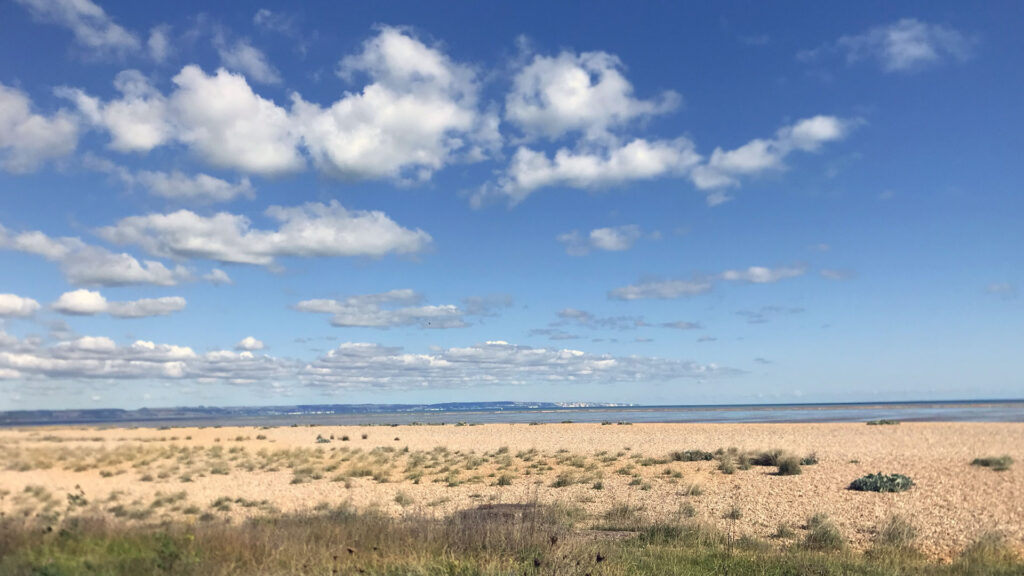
{"x": 494, "y": 540}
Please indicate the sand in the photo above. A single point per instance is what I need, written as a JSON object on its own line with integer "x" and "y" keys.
{"x": 952, "y": 502}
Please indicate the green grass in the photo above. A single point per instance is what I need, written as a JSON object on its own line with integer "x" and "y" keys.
{"x": 490, "y": 540}
{"x": 882, "y": 483}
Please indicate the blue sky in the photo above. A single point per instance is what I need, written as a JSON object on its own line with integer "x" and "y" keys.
{"x": 681, "y": 204}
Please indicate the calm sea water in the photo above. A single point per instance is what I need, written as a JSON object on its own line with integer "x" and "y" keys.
{"x": 920, "y": 412}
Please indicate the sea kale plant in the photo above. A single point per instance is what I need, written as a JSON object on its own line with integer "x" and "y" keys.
{"x": 882, "y": 483}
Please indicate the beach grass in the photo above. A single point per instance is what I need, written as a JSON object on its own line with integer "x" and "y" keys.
{"x": 487, "y": 540}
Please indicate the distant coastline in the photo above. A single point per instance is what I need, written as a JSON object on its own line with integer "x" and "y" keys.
{"x": 484, "y": 412}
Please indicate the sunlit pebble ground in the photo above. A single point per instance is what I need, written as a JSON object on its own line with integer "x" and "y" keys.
{"x": 951, "y": 504}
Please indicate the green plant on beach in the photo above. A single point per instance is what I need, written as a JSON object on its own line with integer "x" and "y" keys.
{"x": 882, "y": 483}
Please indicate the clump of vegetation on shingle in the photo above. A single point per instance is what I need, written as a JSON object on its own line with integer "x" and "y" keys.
{"x": 882, "y": 483}
{"x": 691, "y": 456}
{"x": 997, "y": 463}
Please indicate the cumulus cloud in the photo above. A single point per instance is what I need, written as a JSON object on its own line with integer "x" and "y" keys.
{"x": 418, "y": 112}
{"x": 249, "y": 343}
{"x": 91, "y": 265}
{"x": 602, "y": 165}
{"x": 612, "y": 239}
{"x": 903, "y": 46}
{"x": 590, "y": 167}
{"x": 351, "y": 365}
{"x": 724, "y": 168}
{"x": 89, "y": 303}
{"x": 227, "y": 124}
{"x": 310, "y": 230}
{"x": 386, "y": 310}
{"x": 242, "y": 56}
{"x": 92, "y": 28}
{"x": 28, "y": 139}
{"x": 100, "y": 358}
{"x": 12, "y": 305}
{"x": 496, "y": 362}
{"x": 585, "y": 93}
{"x": 418, "y": 109}
{"x": 137, "y": 122}
{"x": 199, "y": 188}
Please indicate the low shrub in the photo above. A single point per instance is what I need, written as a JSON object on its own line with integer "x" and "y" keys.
{"x": 883, "y": 422}
{"x": 897, "y": 532}
{"x": 997, "y": 463}
{"x": 882, "y": 483}
{"x": 691, "y": 456}
{"x": 789, "y": 466}
{"x": 822, "y": 534}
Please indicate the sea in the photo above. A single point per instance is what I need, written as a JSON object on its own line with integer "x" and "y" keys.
{"x": 954, "y": 411}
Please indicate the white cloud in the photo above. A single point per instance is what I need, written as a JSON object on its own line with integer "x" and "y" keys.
{"x": 91, "y": 26}
{"x": 89, "y": 303}
{"x": 596, "y": 166}
{"x": 159, "y": 43}
{"x": 12, "y": 305}
{"x": 672, "y": 289}
{"x": 241, "y": 56}
{"x": 593, "y": 168}
{"x": 351, "y": 365}
{"x": 217, "y": 276}
{"x": 28, "y": 139}
{"x": 249, "y": 343}
{"x": 758, "y": 156}
{"x": 418, "y": 110}
{"x": 585, "y": 93}
{"x": 85, "y": 264}
{"x": 762, "y": 274}
{"x": 903, "y": 46}
{"x": 230, "y": 126}
{"x": 137, "y": 122}
{"x": 200, "y": 187}
{"x": 386, "y": 310}
{"x": 498, "y": 362}
{"x": 612, "y": 239}
{"x": 310, "y": 230}
{"x": 661, "y": 289}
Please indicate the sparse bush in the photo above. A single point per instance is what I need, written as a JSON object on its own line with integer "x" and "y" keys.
{"x": 789, "y": 466}
{"x": 883, "y": 422}
{"x": 783, "y": 532}
{"x": 504, "y": 480}
{"x": 809, "y": 460}
{"x": 997, "y": 463}
{"x": 822, "y": 534}
{"x": 733, "y": 513}
{"x": 897, "y": 532}
{"x": 768, "y": 458}
{"x": 403, "y": 499}
{"x": 691, "y": 456}
{"x": 882, "y": 483}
